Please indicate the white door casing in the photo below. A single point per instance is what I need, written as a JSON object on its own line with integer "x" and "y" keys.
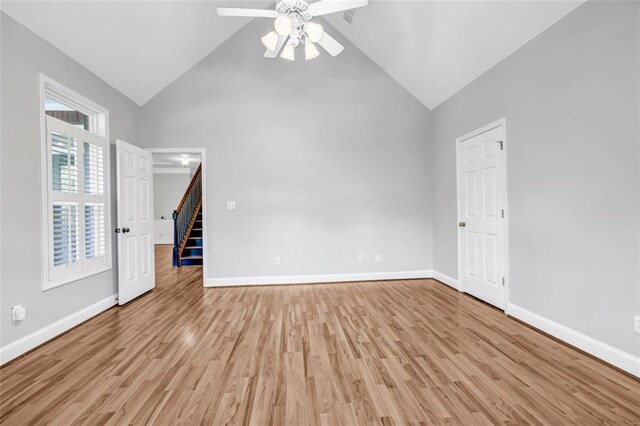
{"x": 136, "y": 257}
{"x": 203, "y": 161}
{"x": 482, "y": 230}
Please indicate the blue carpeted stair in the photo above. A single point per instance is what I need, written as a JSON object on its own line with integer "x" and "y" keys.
{"x": 192, "y": 253}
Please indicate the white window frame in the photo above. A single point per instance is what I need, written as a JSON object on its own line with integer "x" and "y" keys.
{"x": 98, "y": 125}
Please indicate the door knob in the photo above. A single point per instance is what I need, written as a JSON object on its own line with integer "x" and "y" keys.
{"x": 125, "y": 230}
{"x": 462, "y": 224}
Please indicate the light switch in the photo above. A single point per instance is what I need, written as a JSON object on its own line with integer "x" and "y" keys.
{"x": 231, "y": 205}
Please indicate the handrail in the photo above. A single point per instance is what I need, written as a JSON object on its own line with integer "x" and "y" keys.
{"x": 184, "y": 216}
{"x": 190, "y": 224}
{"x": 186, "y": 193}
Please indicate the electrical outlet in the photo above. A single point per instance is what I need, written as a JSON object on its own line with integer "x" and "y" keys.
{"x": 636, "y": 324}
{"x": 18, "y": 313}
{"x": 231, "y": 205}
{"x": 360, "y": 258}
{"x": 378, "y": 258}
{"x": 276, "y": 261}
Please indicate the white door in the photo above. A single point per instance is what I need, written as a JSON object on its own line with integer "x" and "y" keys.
{"x": 136, "y": 258}
{"x": 481, "y": 163}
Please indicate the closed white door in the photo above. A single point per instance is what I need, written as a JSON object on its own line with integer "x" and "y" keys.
{"x": 481, "y": 214}
{"x": 136, "y": 258}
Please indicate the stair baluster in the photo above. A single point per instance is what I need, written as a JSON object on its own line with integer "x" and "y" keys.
{"x": 185, "y": 215}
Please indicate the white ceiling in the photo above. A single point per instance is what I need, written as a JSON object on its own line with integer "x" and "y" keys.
{"x": 162, "y": 160}
{"x": 432, "y": 48}
{"x": 138, "y": 47}
{"x": 435, "y": 48}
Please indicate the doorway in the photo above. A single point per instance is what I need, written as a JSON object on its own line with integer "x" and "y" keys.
{"x": 482, "y": 214}
{"x": 179, "y": 207}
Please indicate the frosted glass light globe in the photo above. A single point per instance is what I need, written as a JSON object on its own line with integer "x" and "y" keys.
{"x": 314, "y": 32}
{"x": 310, "y": 51}
{"x": 288, "y": 53}
{"x": 282, "y": 25}
{"x": 270, "y": 41}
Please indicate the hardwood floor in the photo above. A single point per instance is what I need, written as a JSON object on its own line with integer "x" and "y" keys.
{"x": 403, "y": 352}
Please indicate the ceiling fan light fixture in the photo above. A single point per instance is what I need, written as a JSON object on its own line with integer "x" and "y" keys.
{"x": 282, "y": 25}
{"x": 292, "y": 26}
{"x": 270, "y": 41}
{"x": 314, "y": 32}
{"x": 310, "y": 51}
{"x": 288, "y": 52}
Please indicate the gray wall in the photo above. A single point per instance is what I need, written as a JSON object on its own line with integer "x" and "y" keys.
{"x": 570, "y": 98}
{"x": 168, "y": 189}
{"x": 24, "y": 56}
{"x": 331, "y": 158}
{"x": 325, "y": 159}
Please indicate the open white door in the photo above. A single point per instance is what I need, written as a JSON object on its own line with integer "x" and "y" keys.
{"x": 482, "y": 234}
{"x": 136, "y": 258}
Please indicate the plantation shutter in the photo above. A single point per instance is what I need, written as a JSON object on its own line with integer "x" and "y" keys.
{"x": 95, "y": 231}
{"x": 78, "y": 240}
{"x": 65, "y": 234}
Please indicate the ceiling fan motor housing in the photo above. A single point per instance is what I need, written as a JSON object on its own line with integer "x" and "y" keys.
{"x": 296, "y": 10}
{"x": 298, "y": 7}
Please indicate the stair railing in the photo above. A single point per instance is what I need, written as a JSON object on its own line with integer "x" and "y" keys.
{"x": 184, "y": 215}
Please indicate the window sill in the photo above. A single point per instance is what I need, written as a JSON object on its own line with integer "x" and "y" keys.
{"x": 72, "y": 278}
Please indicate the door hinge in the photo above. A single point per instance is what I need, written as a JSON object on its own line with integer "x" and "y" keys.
{"x": 503, "y": 281}
{"x": 503, "y": 213}
{"x": 501, "y": 145}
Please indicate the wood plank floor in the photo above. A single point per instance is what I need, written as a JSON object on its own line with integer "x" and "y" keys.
{"x": 403, "y": 352}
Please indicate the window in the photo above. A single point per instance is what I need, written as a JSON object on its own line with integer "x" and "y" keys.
{"x": 76, "y": 182}
{"x": 66, "y": 113}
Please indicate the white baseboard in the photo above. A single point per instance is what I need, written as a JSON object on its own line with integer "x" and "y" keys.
{"x": 446, "y": 279}
{"x": 623, "y": 360}
{"x": 28, "y": 342}
{"x": 313, "y": 279}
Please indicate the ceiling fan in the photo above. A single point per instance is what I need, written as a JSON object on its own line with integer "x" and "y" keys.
{"x": 293, "y": 27}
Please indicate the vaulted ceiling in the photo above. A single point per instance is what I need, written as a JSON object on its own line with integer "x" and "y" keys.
{"x": 432, "y": 48}
{"x": 138, "y": 47}
{"x": 435, "y": 48}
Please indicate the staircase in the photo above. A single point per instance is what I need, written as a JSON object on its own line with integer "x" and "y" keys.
{"x": 187, "y": 225}
{"x": 192, "y": 251}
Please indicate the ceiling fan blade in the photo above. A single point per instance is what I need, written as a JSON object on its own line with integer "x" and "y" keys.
{"x": 324, "y": 7}
{"x": 271, "y": 55}
{"x": 330, "y": 44}
{"x": 251, "y": 13}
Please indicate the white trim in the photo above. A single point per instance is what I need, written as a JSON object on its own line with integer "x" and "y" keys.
{"x": 499, "y": 123}
{"x": 30, "y": 341}
{"x": 481, "y": 130}
{"x": 317, "y": 279}
{"x": 205, "y": 198}
{"x": 446, "y": 279}
{"x": 171, "y": 170}
{"x": 623, "y": 360}
{"x": 99, "y": 117}
{"x": 75, "y": 277}
{"x": 72, "y": 99}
